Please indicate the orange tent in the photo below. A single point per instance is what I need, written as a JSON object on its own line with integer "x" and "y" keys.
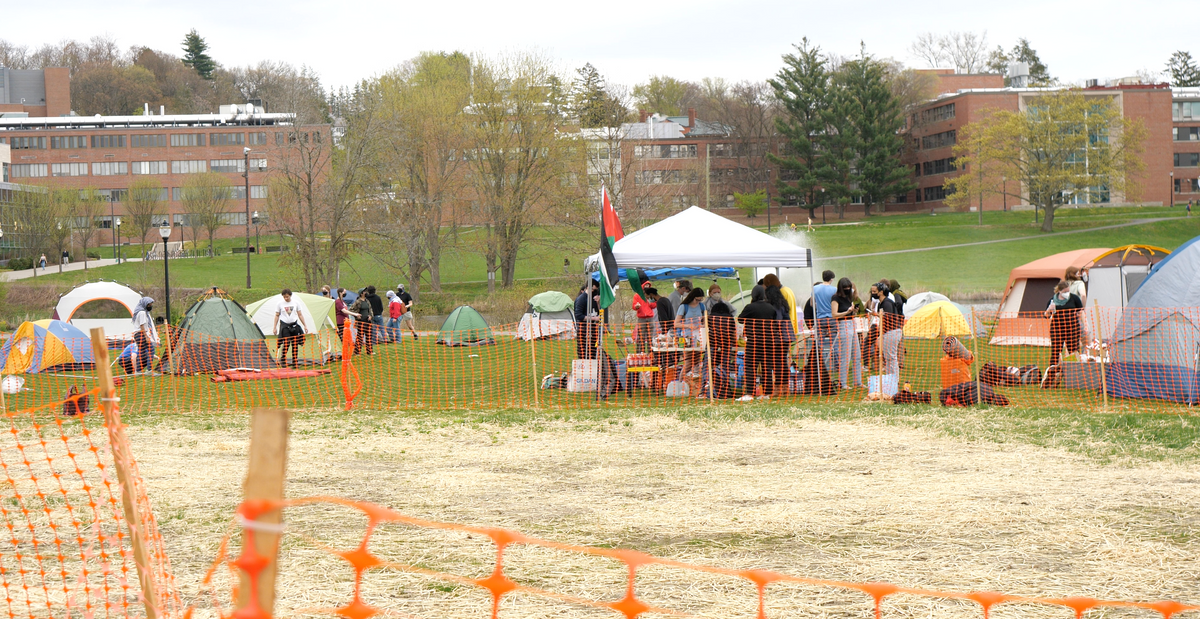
{"x": 1030, "y": 287}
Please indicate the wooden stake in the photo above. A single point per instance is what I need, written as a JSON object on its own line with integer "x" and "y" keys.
{"x": 975, "y": 349}
{"x": 265, "y": 476}
{"x": 119, "y": 444}
{"x": 1100, "y": 338}
{"x": 537, "y": 382}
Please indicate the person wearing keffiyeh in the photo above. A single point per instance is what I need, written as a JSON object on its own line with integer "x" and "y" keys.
{"x": 146, "y": 336}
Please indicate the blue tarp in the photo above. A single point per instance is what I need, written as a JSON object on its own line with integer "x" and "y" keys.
{"x": 679, "y": 273}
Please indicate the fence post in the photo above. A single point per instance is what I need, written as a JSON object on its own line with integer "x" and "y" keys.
{"x": 1103, "y": 377}
{"x": 119, "y": 444}
{"x": 708, "y": 353}
{"x": 975, "y": 352}
{"x": 537, "y": 383}
{"x": 265, "y": 476}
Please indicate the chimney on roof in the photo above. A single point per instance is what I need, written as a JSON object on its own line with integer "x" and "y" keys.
{"x": 642, "y": 116}
{"x": 691, "y": 117}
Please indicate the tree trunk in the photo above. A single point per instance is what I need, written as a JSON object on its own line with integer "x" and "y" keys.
{"x": 1048, "y": 218}
{"x": 866, "y": 208}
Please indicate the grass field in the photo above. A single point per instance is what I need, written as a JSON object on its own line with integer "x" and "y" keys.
{"x": 1047, "y": 502}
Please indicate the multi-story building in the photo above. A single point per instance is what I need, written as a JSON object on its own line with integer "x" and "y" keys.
{"x": 35, "y": 92}
{"x": 934, "y": 127}
{"x": 1185, "y": 144}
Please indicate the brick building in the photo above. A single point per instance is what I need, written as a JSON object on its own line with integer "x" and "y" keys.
{"x": 962, "y": 99}
{"x": 35, "y": 92}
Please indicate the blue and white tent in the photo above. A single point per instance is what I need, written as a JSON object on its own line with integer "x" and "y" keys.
{"x": 1155, "y": 349}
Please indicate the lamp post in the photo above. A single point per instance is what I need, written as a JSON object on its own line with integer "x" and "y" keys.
{"x": 116, "y": 239}
{"x": 165, "y": 232}
{"x": 1171, "y": 182}
{"x": 246, "y": 176}
{"x": 1004, "y": 191}
{"x": 257, "y": 219}
{"x": 112, "y": 221}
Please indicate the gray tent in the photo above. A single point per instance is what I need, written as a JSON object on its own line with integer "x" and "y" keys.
{"x": 549, "y": 315}
{"x": 1155, "y": 349}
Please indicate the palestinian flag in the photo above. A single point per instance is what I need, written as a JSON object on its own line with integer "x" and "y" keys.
{"x": 610, "y": 233}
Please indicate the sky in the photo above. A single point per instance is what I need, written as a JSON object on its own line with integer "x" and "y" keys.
{"x": 627, "y": 41}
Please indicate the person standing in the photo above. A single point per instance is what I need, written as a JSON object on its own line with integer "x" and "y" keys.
{"x": 822, "y": 297}
{"x": 363, "y": 323}
{"x": 849, "y": 351}
{"x": 689, "y": 321}
{"x": 288, "y": 327}
{"x": 42, "y": 262}
{"x": 146, "y": 336}
{"x": 1075, "y": 284}
{"x": 782, "y": 336}
{"x": 407, "y": 316}
{"x": 645, "y": 310}
{"x": 325, "y": 291}
{"x": 396, "y": 309}
{"x": 714, "y": 299}
{"x": 341, "y": 312}
{"x": 757, "y": 318}
{"x": 1063, "y": 312}
{"x": 891, "y": 322}
{"x": 682, "y": 288}
{"x": 377, "y": 315}
{"x": 587, "y": 330}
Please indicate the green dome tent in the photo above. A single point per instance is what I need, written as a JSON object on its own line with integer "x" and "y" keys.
{"x": 216, "y": 334}
{"x": 465, "y": 327}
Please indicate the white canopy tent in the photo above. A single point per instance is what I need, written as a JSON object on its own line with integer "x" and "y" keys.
{"x": 702, "y": 239}
{"x": 70, "y": 302}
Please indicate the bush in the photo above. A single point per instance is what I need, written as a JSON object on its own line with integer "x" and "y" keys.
{"x": 93, "y": 255}
{"x": 20, "y": 264}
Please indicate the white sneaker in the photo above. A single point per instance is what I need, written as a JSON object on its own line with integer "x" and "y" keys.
{"x": 746, "y": 398}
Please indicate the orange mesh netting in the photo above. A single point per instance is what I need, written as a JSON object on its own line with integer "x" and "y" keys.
{"x": 624, "y": 599}
{"x": 70, "y": 548}
{"x": 1125, "y": 360}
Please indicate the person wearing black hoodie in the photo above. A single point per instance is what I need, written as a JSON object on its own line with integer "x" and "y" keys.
{"x": 758, "y": 316}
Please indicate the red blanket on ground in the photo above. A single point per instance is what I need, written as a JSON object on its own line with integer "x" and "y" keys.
{"x": 235, "y": 375}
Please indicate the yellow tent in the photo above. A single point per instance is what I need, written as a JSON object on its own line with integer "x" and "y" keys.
{"x": 942, "y": 319}
{"x": 45, "y": 345}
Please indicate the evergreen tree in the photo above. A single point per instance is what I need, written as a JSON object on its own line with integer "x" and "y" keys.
{"x": 875, "y": 119}
{"x": 839, "y": 146}
{"x": 588, "y": 97}
{"x": 1183, "y": 70}
{"x": 194, "y": 56}
{"x": 802, "y": 87}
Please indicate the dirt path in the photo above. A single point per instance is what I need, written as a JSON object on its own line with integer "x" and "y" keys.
{"x": 833, "y": 500}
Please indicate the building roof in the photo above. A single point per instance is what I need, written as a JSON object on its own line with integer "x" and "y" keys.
{"x": 170, "y": 120}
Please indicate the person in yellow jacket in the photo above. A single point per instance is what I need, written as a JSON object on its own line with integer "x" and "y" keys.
{"x": 773, "y": 280}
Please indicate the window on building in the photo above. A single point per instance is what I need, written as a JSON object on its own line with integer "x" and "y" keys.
{"x": 937, "y": 114}
{"x": 1187, "y": 134}
{"x": 1187, "y": 185}
{"x": 665, "y": 151}
{"x": 114, "y": 195}
{"x": 150, "y": 167}
{"x": 108, "y": 141}
{"x": 189, "y": 167}
{"x": 236, "y": 218}
{"x": 187, "y": 139}
{"x": 933, "y": 194}
{"x": 68, "y": 141}
{"x": 939, "y": 166}
{"x": 226, "y": 139}
{"x": 1185, "y": 110}
{"x": 149, "y": 140}
{"x": 3, "y": 172}
{"x": 176, "y": 194}
{"x": 225, "y": 165}
{"x": 27, "y": 143}
{"x": 916, "y": 169}
{"x": 258, "y": 165}
{"x": 237, "y": 192}
{"x": 27, "y": 170}
{"x": 257, "y": 138}
{"x": 939, "y": 140}
{"x": 110, "y": 168}
{"x": 258, "y": 192}
{"x": 1187, "y": 160}
{"x": 279, "y": 138}
{"x": 900, "y": 198}
{"x": 68, "y": 169}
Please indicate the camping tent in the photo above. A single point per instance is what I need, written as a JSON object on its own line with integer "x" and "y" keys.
{"x": 1115, "y": 275}
{"x": 920, "y": 300}
{"x": 70, "y": 302}
{"x": 217, "y": 334}
{"x": 549, "y": 316}
{"x": 46, "y": 345}
{"x": 941, "y": 319}
{"x": 703, "y": 239}
{"x": 465, "y": 327}
{"x": 1155, "y": 347}
{"x": 1030, "y": 287}
{"x": 321, "y": 344}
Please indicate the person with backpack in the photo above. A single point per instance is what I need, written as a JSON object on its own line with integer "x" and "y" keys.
{"x": 377, "y": 315}
{"x": 361, "y": 310}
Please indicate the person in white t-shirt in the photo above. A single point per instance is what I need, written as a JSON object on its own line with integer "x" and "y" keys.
{"x": 289, "y": 326}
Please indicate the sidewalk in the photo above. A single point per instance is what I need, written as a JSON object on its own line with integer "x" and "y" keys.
{"x": 52, "y": 269}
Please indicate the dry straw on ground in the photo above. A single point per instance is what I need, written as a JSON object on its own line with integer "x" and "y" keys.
{"x": 853, "y": 501}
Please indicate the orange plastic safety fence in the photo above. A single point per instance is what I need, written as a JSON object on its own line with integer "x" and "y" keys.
{"x": 69, "y": 547}
{"x": 498, "y": 584}
{"x": 1090, "y": 359}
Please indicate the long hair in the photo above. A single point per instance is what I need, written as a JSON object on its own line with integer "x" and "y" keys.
{"x": 775, "y": 297}
{"x": 845, "y": 288}
{"x": 692, "y": 296}
{"x": 771, "y": 280}
{"x": 1072, "y": 274}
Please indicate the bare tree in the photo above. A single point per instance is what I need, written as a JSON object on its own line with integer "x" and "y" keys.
{"x": 967, "y": 52}
{"x": 60, "y": 208}
{"x": 87, "y": 209}
{"x": 206, "y": 196}
{"x": 746, "y": 113}
{"x": 145, "y": 197}
{"x": 317, "y": 186}
{"x": 519, "y": 161}
{"x": 36, "y": 220}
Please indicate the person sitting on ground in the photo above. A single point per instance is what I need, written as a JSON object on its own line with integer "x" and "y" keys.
{"x": 289, "y": 327}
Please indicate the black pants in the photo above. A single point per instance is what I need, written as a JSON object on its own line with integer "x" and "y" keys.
{"x": 291, "y": 335}
{"x": 365, "y": 336}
